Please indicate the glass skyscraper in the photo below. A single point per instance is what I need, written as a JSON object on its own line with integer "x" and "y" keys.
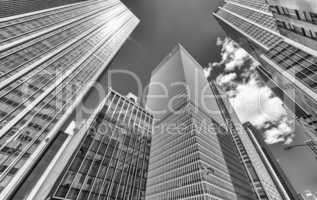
{"x": 111, "y": 161}
{"x": 287, "y": 61}
{"x": 48, "y": 61}
{"x": 193, "y": 156}
{"x": 297, "y": 21}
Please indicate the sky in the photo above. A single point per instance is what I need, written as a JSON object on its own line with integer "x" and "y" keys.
{"x": 164, "y": 23}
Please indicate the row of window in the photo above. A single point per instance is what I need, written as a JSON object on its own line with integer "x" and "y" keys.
{"x": 257, "y": 4}
{"x": 42, "y": 83}
{"x": 128, "y": 114}
{"x": 157, "y": 168}
{"x": 257, "y": 17}
{"x": 237, "y": 178}
{"x": 15, "y": 160}
{"x": 295, "y": 14}
{"x": 296, "y": 29}
{"x": 296, "y": 62}
{"x": 119, "y": 171}
{"x": 38, "y": 134}
{"x": 22, "y": 56}
{"x": 10, "y": 33}
{"x": 176, "y": 141}
{"x": 196, "y": 191}
{"x": 264, "y": 37}
{"x": 224, "y": 165}
{"x": 58, "y": 66}
{"x": 168, "y": 151}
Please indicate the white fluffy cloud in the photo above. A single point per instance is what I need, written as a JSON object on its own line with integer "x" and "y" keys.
{"x": 232, "y": 55}
{"x": 256, "y": 104}
{"x": 207, "y": 71}
{"x": 227, "y": 78}
{"x": 251, "y": 99}
{"x": 71, "y": 128}
{"x": 282, "y": 133}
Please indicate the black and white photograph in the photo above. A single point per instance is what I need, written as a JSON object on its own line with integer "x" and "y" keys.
{"x": 158, "y": 99}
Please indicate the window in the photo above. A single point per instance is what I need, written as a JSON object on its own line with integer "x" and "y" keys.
{"x": 297, "y": 14}
{"x": 307, "y": 16}
{"x": 313, "y": 17}
{"x": 274, "y": 9}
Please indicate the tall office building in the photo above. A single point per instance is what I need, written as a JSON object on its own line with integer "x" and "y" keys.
{"x": 287, "y": 61}
{"x": 267, "y": 157}
{"x": 111, "y": 161}
{"x": 297, "y": 20}
{"x": 265, "y": 184}
{"x": 49, "y": 60}
{"x": 12, "y": 7}
{"x": 193, "y": 156}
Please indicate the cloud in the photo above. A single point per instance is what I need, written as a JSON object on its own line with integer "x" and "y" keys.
{"x": 207, "y": 71}
{"x": 232, "y": 55}
{"x": 71, "y": 128}
{"x": 311, "y": 195}
{"x": 256, "y": 103}
{"x": 252, "y": 100}
{"x": 282, "y": 133}
{"x": 224, "y": 79}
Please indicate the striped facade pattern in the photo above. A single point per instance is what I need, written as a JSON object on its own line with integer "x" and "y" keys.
{"x": 48, "y": 61}
{"x": 112, "y": 160}
{"x": 192, "y": 155}
{"x": 199, "y": 161}
{"x": 12, "y": 7}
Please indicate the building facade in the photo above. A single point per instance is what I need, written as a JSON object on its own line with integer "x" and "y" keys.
{"x": 11, "y": 7}
{"x": 111, "y": 161}
{"x": 287, "y": 63}
{"x": 49, "y": 60}
{"x": 267, "y": 157}
{"x": 296, "y": 20}
{"x": 192, "y": 154}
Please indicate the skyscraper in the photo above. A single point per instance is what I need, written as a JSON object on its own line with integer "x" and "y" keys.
{"x": 288, "y": 63}
{"x": 193, "y": 156}
{"x": 111, "y": 161}
{"x": 267, "y": 157}
{"x": 297, "y": 20}
{"x": 265, "y": 184}
{"x": 49, "y": 60}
